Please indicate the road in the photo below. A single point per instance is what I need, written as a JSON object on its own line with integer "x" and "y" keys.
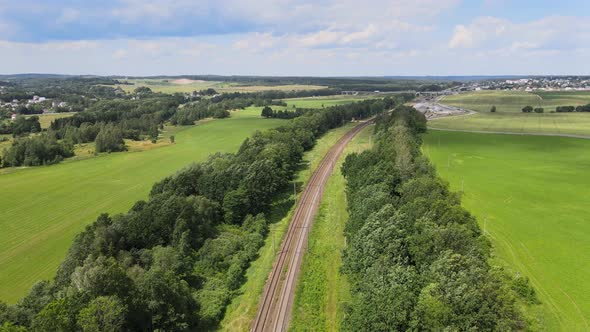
{"x": 274, "y": 310}
{"x": 433, "y": 109}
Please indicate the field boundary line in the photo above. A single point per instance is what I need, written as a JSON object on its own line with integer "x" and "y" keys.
{"x": 510, "y": 133}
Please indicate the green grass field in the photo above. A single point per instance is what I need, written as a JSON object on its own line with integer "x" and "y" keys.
{"x": 321, "y": 289}
{"x": 43, "y": 208}
{"x": 242, "y": 310}
{"x": 319, "y": 102}
{"x": 186, "y": 86}
{"x": 509, "y": 117}
{"x": 46, "y": 119}
{"x": 531, "y": 195}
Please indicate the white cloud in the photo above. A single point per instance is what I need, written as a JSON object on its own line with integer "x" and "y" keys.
{"x": 120, "y": 54}
{"x": 462, "y": 38}
{"x": 68, "y": 15}
{"x": 497, "y": 33}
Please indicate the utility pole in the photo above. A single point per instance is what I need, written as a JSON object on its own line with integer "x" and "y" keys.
{"x": 274, "y": 251}
{"x": 307, "y": 239}
{"x": 295, "y": 190}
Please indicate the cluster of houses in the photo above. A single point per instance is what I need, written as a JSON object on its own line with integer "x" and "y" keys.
{"x": 49, "y": 107}
{"x": 574, "y": 83}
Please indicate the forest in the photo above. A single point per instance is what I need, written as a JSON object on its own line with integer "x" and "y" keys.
{"x": 417, "y": 260}
{"x": 174, "y": 261}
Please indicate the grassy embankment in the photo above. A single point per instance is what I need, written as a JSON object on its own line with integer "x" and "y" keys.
{"x": 243, "y": 308}
{"x": 530, "y": 194}
{"x": 509, "y": 117}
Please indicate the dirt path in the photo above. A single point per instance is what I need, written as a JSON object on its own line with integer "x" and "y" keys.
{"x": 274, "y": 309}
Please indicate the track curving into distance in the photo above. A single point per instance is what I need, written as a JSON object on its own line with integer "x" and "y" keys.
{"x": 274, "y": 309}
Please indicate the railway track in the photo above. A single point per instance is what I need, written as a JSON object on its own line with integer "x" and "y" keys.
{"x": 274, "y": 310}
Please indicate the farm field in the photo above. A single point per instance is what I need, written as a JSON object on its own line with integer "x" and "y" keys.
{"x": 242, "y": 310}
{"x": 185, "y": 85}
{"x": 319, "y": 102}
{"x": 43, "y": 208}
{"x": 321, "y": 290}
{"x": 530, "y": 194}
{"x": 509, "y": 117}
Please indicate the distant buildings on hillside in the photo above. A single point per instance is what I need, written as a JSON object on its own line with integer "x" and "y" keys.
{"x": 573, "y": 83}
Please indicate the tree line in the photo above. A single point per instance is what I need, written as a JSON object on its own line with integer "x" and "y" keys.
{"x": 416, "y": 259}
{"x": 268, "y": 112}
{"x": 174, "y": 261}
{"x": 568, "y": 109}
{"x": 530, "y": 109}
{"x": 558, "y": 109}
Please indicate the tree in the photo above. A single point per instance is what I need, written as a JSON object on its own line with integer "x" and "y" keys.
{"x": 110, "y": 139}
{"x": 172, "y": 139}
{"x": 143, "y": 90}
{"x": 23, "y": 125}
{"x": 267, "y": 112}
{"x": 527, "y": 109}
{"x": 104, "y": 313}
{"x": 539, "y": 110}
{"x": 36, "y": 150}
{"x": 493, "y": 109}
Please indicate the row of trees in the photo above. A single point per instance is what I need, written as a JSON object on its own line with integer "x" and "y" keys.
{"x": 173, "y": 262}
{"x": 416, "y": 259}
{"x": 558, "y": 109}
{"x": 530, "y": 109}
{"x": 268, "y": 112}
{"x": 568, "y": 109}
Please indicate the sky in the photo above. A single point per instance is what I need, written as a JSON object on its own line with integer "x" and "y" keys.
{"x": 296, "y": 37}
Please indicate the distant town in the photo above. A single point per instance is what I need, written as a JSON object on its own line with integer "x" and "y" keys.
{"x": 560, "y": 83}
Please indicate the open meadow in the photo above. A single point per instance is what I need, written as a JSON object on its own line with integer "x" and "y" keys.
{"x": 43, "y": 208}
{"x": 320, "y": 102}
{"x": 186, "y": 86}
{"x": 46, "y": 119}
{"x": 509, "y": 117}
{"x": 530, "y": 195}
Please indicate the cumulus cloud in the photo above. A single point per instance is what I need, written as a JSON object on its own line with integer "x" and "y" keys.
{"x": 554, "y": 32}
{"x": 463, "y": 37}
{"x": 286, "y": 37}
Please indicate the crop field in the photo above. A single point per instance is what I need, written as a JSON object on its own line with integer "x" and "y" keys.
{"x": 319, "y": 102}
{"x": 530, "y": 195}
{"x": 509, "y": 117}
{"x": 242, "y": 310}
{"x": 185, "y": 85}
{"x": 43, "y": 208}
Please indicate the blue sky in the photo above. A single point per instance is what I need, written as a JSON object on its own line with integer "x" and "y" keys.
{"x": 295, "y": 37}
